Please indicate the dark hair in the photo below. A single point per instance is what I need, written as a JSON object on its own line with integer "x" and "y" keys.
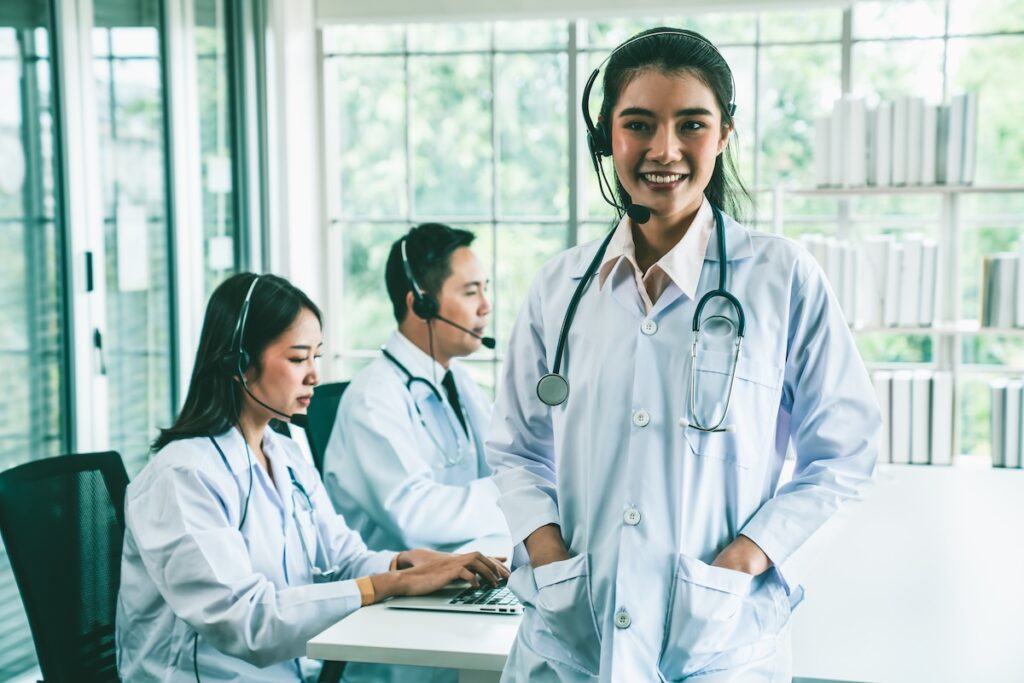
{"x": 429, "y": 247}
{"x": 674, "y": 53}
{"x": 214, "y": 400}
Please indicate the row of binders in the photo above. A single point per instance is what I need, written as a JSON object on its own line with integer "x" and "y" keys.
{"x": 900, "y": 143}
{"x": 1002, "y": 279}
{"x": 882, "y": 281}
{"x": 917, "y": 416}
{"x": 1007, "y": 422}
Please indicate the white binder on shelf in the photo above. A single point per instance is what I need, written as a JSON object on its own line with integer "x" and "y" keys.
{"x": 882, "y": 381}
{"x": 880, "y": 170}
{"x": 929, "y": 144}
{"x": 953, "y": 129}
{"x": 915, "y": 140}
{"x": 999, "y": 289}
{"x": 929, "y": 282}
{"x": 856, "y": 114}
{"x": 900, "y": 139}
{"x": 901, "y": 410}
{"x": 943, "y": 413}
{"x": 970, "y": 150}
{"x": 920, "y": 411}
{"x": 910, "y": 281}
{"x": 875, "y": 269}
{"x": 1012, "y": 440}
{"x": 892, "y": 285}
{"x": 998, "y": 388}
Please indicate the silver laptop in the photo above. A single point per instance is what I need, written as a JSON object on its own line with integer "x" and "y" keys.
{"x": 461, "y": 597}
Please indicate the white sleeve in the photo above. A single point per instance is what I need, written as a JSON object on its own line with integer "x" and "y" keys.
{"x": 834, "y": 421}
{"x": 520, "y": 442}
{"x": 396, "y": 486}
{"x": 200, "y": 565}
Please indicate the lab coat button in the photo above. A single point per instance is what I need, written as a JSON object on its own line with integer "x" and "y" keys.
{"x": 622, "y": 618}
{"x": 632, "y": 516}
{"x": 641, "y": 418}
{"x": 649, "y": 327}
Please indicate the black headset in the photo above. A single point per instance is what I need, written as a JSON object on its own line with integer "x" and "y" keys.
{"x": 236, "y": 360}
{"x": 424, "y": 304}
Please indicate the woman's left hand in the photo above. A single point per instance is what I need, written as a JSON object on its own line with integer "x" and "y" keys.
{"x": 743, "y": 555}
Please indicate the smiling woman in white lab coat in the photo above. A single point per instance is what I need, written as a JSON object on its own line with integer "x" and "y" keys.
{"x": 657, "y": 541}
{"x": 233, "y": 555}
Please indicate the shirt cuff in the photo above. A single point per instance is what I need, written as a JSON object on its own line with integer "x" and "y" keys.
{"x": 366, "y": 593}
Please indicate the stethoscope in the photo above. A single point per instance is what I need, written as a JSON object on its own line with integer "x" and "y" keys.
{"x": 301, "y": 499}
{"x": 298, "y": 495}
{"x": 411, "y": 379}
{"x": 553, "y": 388}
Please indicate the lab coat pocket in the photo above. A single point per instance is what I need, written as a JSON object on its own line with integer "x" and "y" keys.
{"x": 708, "y": 615}
{"x": 749, "y": 404}
{"x": 562, "y": 600}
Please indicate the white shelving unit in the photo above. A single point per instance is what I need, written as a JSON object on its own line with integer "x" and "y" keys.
{"x": 947, "y": 335}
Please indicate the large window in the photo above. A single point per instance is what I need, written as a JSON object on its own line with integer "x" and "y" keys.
{"x": 33, "y": 271}
{"x": 477, "y": 125}
{"x": 128, "y": 61}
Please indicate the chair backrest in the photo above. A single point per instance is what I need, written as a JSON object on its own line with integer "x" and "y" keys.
{"x": 62, "y": 523}
{"x": 322, "y": 411}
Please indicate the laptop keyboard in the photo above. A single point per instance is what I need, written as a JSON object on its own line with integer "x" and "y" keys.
{"x": 498, "y": 596}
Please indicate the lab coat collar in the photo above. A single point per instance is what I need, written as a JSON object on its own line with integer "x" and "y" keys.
{"x": 415, "y": 360}
{"x": 233, "y": 445}
{"x": 738, "y": 244}
{"x": 737, "y": 241}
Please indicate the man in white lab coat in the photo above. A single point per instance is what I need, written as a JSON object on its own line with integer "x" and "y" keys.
{"x": 405, "y": 460}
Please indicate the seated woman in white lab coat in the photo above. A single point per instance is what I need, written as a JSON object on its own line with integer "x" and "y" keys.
{"x": 233, "y": 554}
{"x": 661, "y": 542}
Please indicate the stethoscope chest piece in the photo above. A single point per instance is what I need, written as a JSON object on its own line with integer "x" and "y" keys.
{"x": 553, "y": 389}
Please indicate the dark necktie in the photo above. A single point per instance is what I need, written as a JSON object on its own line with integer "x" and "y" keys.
{"x": 453, "y": 399}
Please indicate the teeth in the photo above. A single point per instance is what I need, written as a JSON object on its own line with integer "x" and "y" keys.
{"x": 662, "y": 177}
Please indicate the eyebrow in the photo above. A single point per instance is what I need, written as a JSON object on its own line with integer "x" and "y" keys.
{"x": 475, "y": 283}
{"x": 305, "y": 347}
{"x": 640, "y": 111}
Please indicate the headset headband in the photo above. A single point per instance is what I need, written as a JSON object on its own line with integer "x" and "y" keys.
{"x": 685, "y": 33}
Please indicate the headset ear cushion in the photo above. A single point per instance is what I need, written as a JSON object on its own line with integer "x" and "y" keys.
{"x": 602, "y": 139}
{"x": 234, "y": 362}
{"x": 425, "y": 306}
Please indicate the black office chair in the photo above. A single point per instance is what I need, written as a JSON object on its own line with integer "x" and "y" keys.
{"x": 322, "y": 411}
{"x": 62, "y": 523}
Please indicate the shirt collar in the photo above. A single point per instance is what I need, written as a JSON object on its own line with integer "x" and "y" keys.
{"x": 414, "y": 359}
{"x": 682, "y": 263}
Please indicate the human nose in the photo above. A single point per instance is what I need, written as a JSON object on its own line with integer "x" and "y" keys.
{"x": 313, "y": 375}
{"x": 485, "y": 305}
{"x": 665, "y": 146}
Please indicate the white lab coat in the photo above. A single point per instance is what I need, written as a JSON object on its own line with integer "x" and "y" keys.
{"x": 645, "y": 504}
{"x": 388, "y": 476}
{"x": 249, "y": 594}
{"x": 384, "y": 470}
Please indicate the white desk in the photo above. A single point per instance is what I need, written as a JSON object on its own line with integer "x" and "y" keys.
{"x": 476, "y": 644}
{"x": 923, "y": 584}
